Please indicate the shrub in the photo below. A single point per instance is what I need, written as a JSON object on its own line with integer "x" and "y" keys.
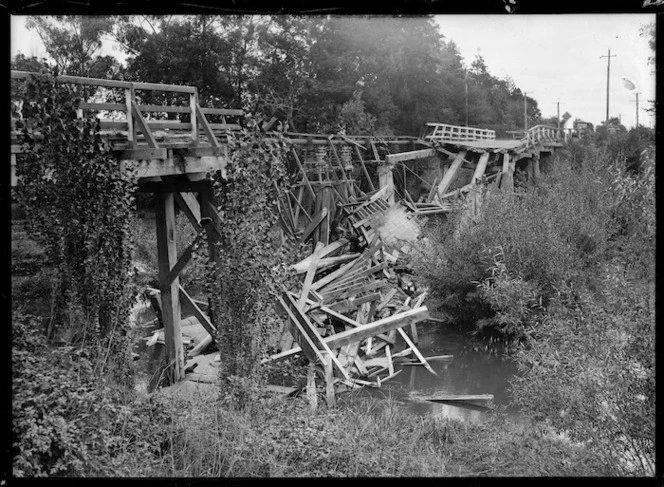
{"x": 589, "y": 371}
{"x": 68, "y": 422}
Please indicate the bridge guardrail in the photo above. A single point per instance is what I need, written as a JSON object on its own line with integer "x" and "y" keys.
{"x": 135, "y": 121}
{"x": 457, "y": 133}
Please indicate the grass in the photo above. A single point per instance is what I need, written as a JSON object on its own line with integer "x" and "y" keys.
{"x": 360, "y": 437}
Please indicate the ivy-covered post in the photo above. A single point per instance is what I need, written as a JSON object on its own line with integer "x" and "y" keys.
{"x": 170, "y": 298}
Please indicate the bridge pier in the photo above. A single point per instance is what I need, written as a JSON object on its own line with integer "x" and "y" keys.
{"x": 169, "y": 288}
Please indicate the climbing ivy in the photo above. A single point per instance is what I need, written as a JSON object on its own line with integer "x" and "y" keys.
{"x": 251, "y": 256}
{"x": 79, "y": 205}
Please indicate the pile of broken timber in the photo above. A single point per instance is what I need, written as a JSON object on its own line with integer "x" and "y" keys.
{"x": 349, "y": 309}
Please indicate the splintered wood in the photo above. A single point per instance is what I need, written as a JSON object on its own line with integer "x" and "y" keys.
{"x": 350, "y": 315}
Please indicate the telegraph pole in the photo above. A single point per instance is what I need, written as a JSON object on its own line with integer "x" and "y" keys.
{"x": 608, "y": 71}
{"x": 558, "y": 104}
{"x": 637, "y": 108}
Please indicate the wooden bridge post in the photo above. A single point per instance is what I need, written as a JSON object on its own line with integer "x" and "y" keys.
{"x": 170, "y": 295}
{"x": 131, "y": 129}
{"x": 530, "y": 170}
{"x": 386, "y": 179}
{"x": 507, "y": 180}
{"x": 536, "y": 167}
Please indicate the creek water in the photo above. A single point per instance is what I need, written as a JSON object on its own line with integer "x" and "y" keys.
{"x": 476, "y": 367}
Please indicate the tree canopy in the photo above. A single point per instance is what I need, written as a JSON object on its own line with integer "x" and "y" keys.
{"x": 320, "y": 74}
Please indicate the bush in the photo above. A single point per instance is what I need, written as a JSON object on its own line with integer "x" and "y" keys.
{"x": 69, "y": 422}
{"x": 548, "y": 233}
{"x": 589, "y": 371}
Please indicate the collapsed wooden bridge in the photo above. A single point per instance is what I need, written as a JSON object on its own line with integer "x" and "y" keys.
{"x": 364, "y": 188}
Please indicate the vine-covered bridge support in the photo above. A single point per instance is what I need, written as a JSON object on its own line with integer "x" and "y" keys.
{"x": 173, "y": 148}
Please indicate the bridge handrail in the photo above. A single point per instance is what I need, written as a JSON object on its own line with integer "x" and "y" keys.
{"x": 540, "y": 132}
{"x": 133, "y": 111}
{"x": 457, "y": 133}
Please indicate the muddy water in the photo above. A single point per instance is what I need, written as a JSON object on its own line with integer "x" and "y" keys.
{"x": 477, "y": 367}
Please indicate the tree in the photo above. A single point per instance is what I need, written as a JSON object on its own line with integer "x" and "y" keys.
{"x": 74, "y": 43}
{"x": 283, "y": 67}
{"x": 185, "y": 51}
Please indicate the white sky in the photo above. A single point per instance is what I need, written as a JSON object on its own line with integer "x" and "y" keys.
{"x": 550, "y": 56}
{"x": 558, "y": 57}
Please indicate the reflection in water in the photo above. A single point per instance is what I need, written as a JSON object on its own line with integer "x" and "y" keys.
{"x": 477, "y": 368}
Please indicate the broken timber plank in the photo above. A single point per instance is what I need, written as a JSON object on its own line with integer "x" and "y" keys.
{"x": 312, "y": 226}
{"x": 456, "y": 397}
{"x": 407, "y": 156}
{"x": 416, "y": 351}
{"x": 376, "y": 327}
{"x": 307, "y": 332}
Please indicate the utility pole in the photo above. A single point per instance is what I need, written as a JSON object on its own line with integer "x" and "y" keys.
{"x": 558, "y": 104}
{"x": 637, "y": 108}
{"x": 608, "y": 71}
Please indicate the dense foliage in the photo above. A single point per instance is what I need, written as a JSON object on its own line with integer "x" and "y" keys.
{"x": 79, "y": 206}
{"x": 565, "y": 269}
{"x": 66, "y": 422}
{"x": 393, "y": 74}
{"x": 250, "y": 264}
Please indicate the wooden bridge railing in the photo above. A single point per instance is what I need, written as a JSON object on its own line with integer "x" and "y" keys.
{"x": 541, "y": 133}
{"x": 455, "y": 133}
{"x": 134, "y": 120}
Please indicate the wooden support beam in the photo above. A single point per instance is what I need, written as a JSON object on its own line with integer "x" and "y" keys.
{"x": 142, "y": 124}
{"x": 451, "y": 173}
{"x": 170, "y": 301}
{"x": 536, "y": 168}
{"x": 189, "y": 205}
{"x": 193, "y": 111}
{"x": 131, "y": 128}
{"x": 198, "y": 313}
{"x": 205, "y": 125}
{"x": 386, "y": 181}
{"x": 180, "y": 264}
{"x": 480, "y": 169}
{"x": 507, "y": 181}
{"x": 304, "y": 174}
{"x": 364, "y": 168}
{"x": 312, "y": 226}
{"x": 407, "y": 156}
